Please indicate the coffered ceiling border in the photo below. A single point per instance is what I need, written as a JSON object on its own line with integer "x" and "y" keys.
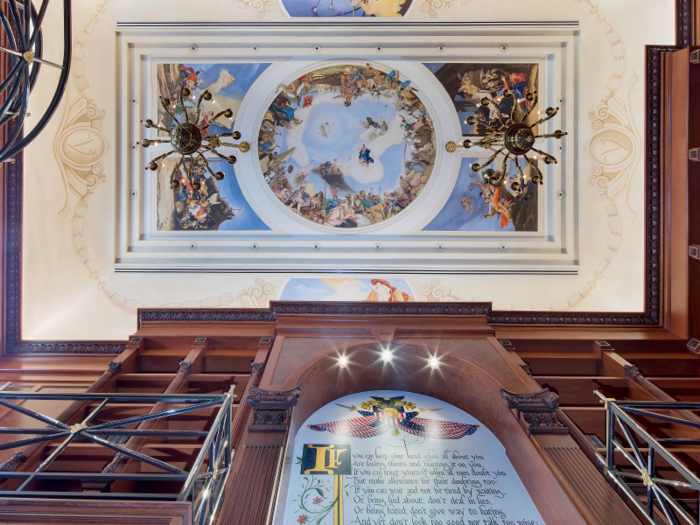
{"x": 13, "y": 194}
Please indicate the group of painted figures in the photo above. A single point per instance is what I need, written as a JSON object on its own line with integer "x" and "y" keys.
{"x": 198, "y": 209}
{"x": 342, "y": 206}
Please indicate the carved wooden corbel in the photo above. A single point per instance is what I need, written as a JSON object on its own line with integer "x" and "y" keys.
{"x": 271, "y": 410}
{"x": 536, "y": 412}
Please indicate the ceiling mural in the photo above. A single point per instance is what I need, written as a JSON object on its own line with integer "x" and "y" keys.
{"x": 486, "y": 201}
{"x": 468, "y": 84}
{"x": 347, "y": 8}
{"x": 347, "y": 146}
{"x": 228, "y": 84}
{"x": 377, "y": 289}
{"x": 456, "y": 200}
{"x": 213, "y": 205}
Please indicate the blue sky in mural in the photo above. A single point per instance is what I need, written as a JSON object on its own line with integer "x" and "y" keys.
{"x": 455, "y": 217}
{"x": 229, "y": 190}
{"x": 215, "y": 78}
{"x": 342, "y": 8}
{"x": 342, "y": 142}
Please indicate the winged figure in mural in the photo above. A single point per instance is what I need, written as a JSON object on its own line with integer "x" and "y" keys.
{"x": 392, "y": 414}
{"x": 331, "y": 174}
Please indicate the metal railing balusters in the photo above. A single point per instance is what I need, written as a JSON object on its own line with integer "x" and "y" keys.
{"x": 619, "y": 414}
{"x": 216, "y": 447}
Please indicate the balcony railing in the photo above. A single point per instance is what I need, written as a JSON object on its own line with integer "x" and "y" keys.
{"x": 202, "y": 485}
{"x": 622, "y": 418}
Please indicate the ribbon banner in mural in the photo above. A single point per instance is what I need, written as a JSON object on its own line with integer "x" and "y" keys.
{"x": 396, "y": 458}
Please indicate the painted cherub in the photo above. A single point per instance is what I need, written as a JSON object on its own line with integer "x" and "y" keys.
{"x": 467, "y": 205}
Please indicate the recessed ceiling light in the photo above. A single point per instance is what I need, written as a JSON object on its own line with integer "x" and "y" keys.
{"x": 433, "y": 362}
{"x": 343, "y": 361}
{"x": 386, "y": 356}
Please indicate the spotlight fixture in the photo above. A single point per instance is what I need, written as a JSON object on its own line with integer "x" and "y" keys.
{"x": 187, "y": 138}
{"x": 387, "y": 355}
{"x": 343, "y": 361}
{"x": 512, "y": 138}
{"x": 434, "y": 362}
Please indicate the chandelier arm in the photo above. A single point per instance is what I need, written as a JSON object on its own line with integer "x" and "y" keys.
{"x": 162, "y": 128}
{"x": 10, "y": 100}
{"x": 503, "y": 118}
{"x": 199, "y": 105}
{"x": 18, "y": 24}
{"x": 38, "y": 48}
{"x": 229, "y": 145}
{"x": 177, "y": 167}
{"x": 184, "y": 108}
{"x": 8, "y": 31}
{"x": 161, "y": 157}
{"x": 167, "y": 109}
{"x": 545, "y": 119}
{"x": 515, "y": 105}
{"x": 520, "y": 170}
{"x": 37, "y": 22}
{"x": 189, "y": 168}
{"x": 19, "y": 123}
{"x": 546, "y": 155}
{"x": 550, "y": 135}
{"x": 10, "y": 148}
{"x": 13, "y": 72}
{"x": 493, "y": 157}
{"x": 220, "y": 155}
{"x": 27, "y": 23}
{"x": 533, "y": 105}
{"x": 504, "y": 166}
{"x": 220, "y": 113}
{"x": 206, "y": 164}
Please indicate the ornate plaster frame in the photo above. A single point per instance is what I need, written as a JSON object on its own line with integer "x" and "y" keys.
{"x": 651, "y": 317}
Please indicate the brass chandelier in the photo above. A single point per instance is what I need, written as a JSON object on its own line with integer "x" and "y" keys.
{"x": 192, "y": 137}
{"x": 513, "y": 139}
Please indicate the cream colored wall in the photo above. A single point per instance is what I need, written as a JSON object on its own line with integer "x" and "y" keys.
{"x": 65, "y": 299}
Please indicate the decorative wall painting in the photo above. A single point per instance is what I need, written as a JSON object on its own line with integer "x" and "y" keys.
{"x": 401, "y": 458}
{"x": 347, "y": 290}
{"x": 347, "y": 146}
{"x": 486, "y": 201}
{"x": 216, "y": 205}
{"x": 228, "y": 83}
{"x": 467, "y": 84}
{"x": 347, "y": 8}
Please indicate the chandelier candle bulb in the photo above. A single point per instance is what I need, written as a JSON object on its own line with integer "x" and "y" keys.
{"x": 387, "y": 356}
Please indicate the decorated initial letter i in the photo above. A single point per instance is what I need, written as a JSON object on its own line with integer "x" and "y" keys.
{"x": 328, "y": 460}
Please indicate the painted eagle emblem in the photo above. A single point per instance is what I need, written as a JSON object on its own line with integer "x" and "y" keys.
{"x": 393, "y": 414}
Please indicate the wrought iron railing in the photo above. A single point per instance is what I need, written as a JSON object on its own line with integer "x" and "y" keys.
{"x": 657, "y": 501}
{"x": 201, "y": 486}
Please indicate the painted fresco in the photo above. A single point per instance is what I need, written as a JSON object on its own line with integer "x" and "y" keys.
{"x": 347, "y": 289}
{"x": 217, "y": 205}
{"x": 347, "y": 8}
{"x": 228, "y": 83}
{"x": 388, "y": 457}
{"x": 468, "y": 84}
{"x": 486, "y": 201}
{"x": 347, "y": 146}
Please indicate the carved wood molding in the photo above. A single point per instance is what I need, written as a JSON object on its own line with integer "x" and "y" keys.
{"x": 271, "y": 409}
{"x": 536, "y": 412}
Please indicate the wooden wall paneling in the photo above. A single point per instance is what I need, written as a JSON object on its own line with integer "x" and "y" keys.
{"x": 676, "y": 162}
{"x": 693, "y": 198}
{"x": 41, "y": 511}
